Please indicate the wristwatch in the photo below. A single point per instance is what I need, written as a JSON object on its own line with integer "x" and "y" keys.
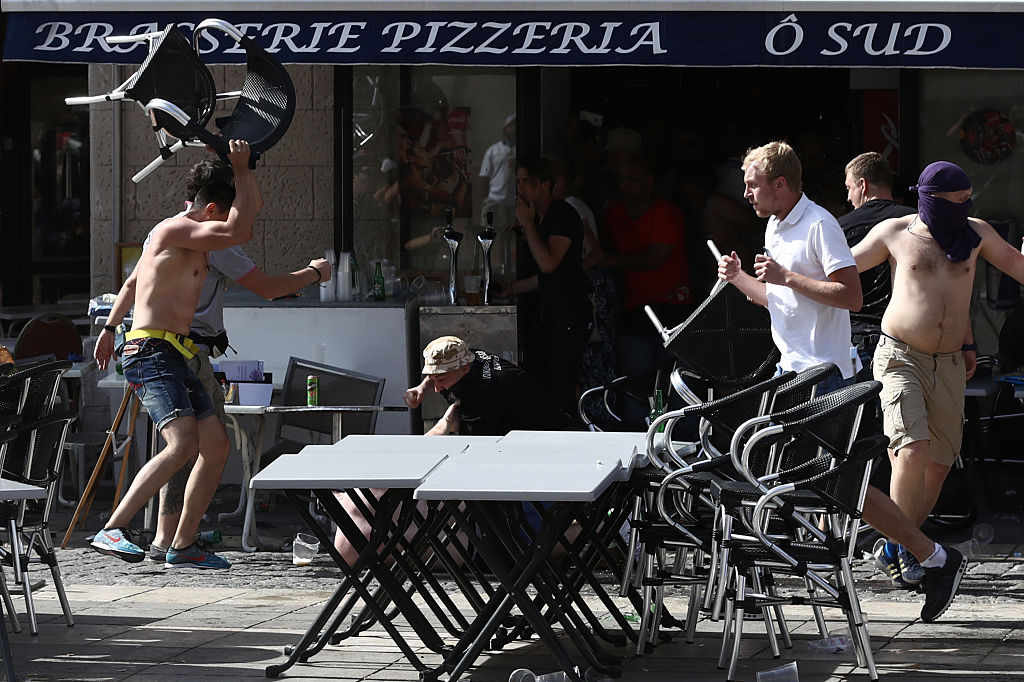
{"x": 110, "y": 328}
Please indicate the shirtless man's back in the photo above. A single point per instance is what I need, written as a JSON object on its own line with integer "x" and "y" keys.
{"x": 169, "y": 280}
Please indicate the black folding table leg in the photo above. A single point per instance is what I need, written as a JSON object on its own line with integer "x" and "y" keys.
{"x": 514, "y": 581}
{"x": 375, "y": 563}
{"x": 351, "y": 574}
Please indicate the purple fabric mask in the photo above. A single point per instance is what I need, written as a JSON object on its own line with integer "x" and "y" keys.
{"x": 946, "y": 220}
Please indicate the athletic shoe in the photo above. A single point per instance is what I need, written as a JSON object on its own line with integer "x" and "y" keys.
{"x": 889, "y": 565}
{"x": 117, "y": 542}
{"x": 941, "y": 584}
{"x": 194, "y": 556}
{"x": 157, "y": 553}
{"x": 910, "y": 570}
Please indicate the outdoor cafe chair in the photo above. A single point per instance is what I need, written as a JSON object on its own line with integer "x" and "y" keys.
{"x": 694, "y": 468}
{"x": 781, "y": 447}
{"x": 650, "y": 540}
{"x": 27, "y": 521}
{"x": 30, "y": 394}
{"x": 48, "y": 334}
{"x": 266, "y": 102}
{"x": 173, "y": 86}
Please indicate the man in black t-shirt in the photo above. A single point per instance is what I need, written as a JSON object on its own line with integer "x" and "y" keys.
{"x": 554, "y": 235}
{"x": 869, "y": 180}
{"x": 487, "y": 395}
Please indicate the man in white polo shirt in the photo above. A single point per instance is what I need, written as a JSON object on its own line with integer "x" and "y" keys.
{"x": 808, "y": 281}
{"x": 807, "y": 277}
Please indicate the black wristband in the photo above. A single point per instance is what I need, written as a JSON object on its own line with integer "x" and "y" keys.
{"x": 969, "y": 346}
{"x": 110, "y": 328}
{"x": 318, "y": 275}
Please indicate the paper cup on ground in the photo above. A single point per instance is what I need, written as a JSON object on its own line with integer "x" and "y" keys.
{"x": 304, "y": 548}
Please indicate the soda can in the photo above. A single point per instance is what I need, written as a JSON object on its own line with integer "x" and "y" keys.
{"x": 312, "y": 390}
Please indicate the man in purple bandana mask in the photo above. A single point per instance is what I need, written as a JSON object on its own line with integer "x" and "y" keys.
{"x": 926, "y": 351}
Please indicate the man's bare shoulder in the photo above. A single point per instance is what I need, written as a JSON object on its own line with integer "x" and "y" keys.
{"x": 893, "y": 228}
{"x": 170, "y": 231}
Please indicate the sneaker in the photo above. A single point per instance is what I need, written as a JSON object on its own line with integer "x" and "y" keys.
{"x": 889, "y": 565}
{"x": 117, "y": 542}
{"x": 194, "y": 556}
{"x": 941, "y": 584}
{"x": 910, "y": 570}
{"x": 157, "y": 553}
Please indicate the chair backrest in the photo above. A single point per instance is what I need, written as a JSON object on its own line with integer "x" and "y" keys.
{"x": 727, "y": 340}
{"x": 337, "y": 386}
{"x": 41, "y": 467}
{"x": 800, "y": 388}
{"x": 174, "y": 72}
{"x": 264, "y": 109}
{"x": 32, "y": 392}
{"x": 827, "y": 423}
{"x": 46, "y": 334}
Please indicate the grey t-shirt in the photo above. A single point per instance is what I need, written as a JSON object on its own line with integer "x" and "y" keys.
{"x": 230, "y": 264}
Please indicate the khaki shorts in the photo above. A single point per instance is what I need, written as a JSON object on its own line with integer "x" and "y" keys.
{"x": 200, "y": 364}
{"x": 922, "y": 398}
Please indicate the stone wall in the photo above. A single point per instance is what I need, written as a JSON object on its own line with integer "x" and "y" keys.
{"x": 296, "y": 176}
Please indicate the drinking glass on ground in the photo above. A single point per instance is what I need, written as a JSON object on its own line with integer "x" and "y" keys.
{"x": 304, "y": 548}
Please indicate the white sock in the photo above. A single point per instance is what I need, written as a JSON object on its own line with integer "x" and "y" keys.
{"x": 937, "y": 559}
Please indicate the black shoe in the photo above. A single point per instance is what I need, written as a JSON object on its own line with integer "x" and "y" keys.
{"x": 941, "y": 584}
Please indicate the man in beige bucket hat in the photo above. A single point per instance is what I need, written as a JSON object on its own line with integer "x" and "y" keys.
{"x": 487, "y": 395}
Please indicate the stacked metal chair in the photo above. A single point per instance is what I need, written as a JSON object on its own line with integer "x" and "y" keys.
{"x": 796, "y": 511}
{"x": 688, "y": 520}
{"x": 33, "y": 454}
{"x": 726, "y": 344}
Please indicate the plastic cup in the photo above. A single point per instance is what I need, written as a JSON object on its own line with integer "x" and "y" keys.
{"x": 304, "y": 548}
{"x": 784, "y": 673}
{"x": 983, "y": 533}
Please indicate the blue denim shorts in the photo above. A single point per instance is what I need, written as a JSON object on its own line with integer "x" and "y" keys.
{"x": 162, "y": 380}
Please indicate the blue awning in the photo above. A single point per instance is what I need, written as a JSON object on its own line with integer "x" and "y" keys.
{"x": 922, "y": 34}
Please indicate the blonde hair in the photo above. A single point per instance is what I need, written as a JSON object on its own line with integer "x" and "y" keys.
{"x": 776, "y": 159}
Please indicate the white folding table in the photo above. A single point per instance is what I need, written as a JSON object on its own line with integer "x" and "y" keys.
{"x": 396, "y": 462}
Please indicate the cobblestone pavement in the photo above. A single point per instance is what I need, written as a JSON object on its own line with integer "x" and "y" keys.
{"x": 142, "y": 622}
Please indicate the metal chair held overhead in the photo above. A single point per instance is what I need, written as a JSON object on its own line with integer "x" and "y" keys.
{"x": 173, "y": 86}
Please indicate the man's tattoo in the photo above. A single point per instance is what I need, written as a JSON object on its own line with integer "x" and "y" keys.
{"x": 172, "y": 495}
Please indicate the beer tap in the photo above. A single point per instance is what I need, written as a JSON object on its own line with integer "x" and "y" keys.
{"x": 486, "y": 238}
{"x": 453, "y": 238}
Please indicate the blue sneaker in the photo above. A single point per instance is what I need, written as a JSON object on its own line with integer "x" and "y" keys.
{"x": 910, "y": 570}
{"x": 117, "y": 542}
{"x": 889, "y": 564}
{"x": 194, "y": 556}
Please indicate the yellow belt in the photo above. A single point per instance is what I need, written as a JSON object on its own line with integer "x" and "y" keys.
{"x": 181, "y": 342}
